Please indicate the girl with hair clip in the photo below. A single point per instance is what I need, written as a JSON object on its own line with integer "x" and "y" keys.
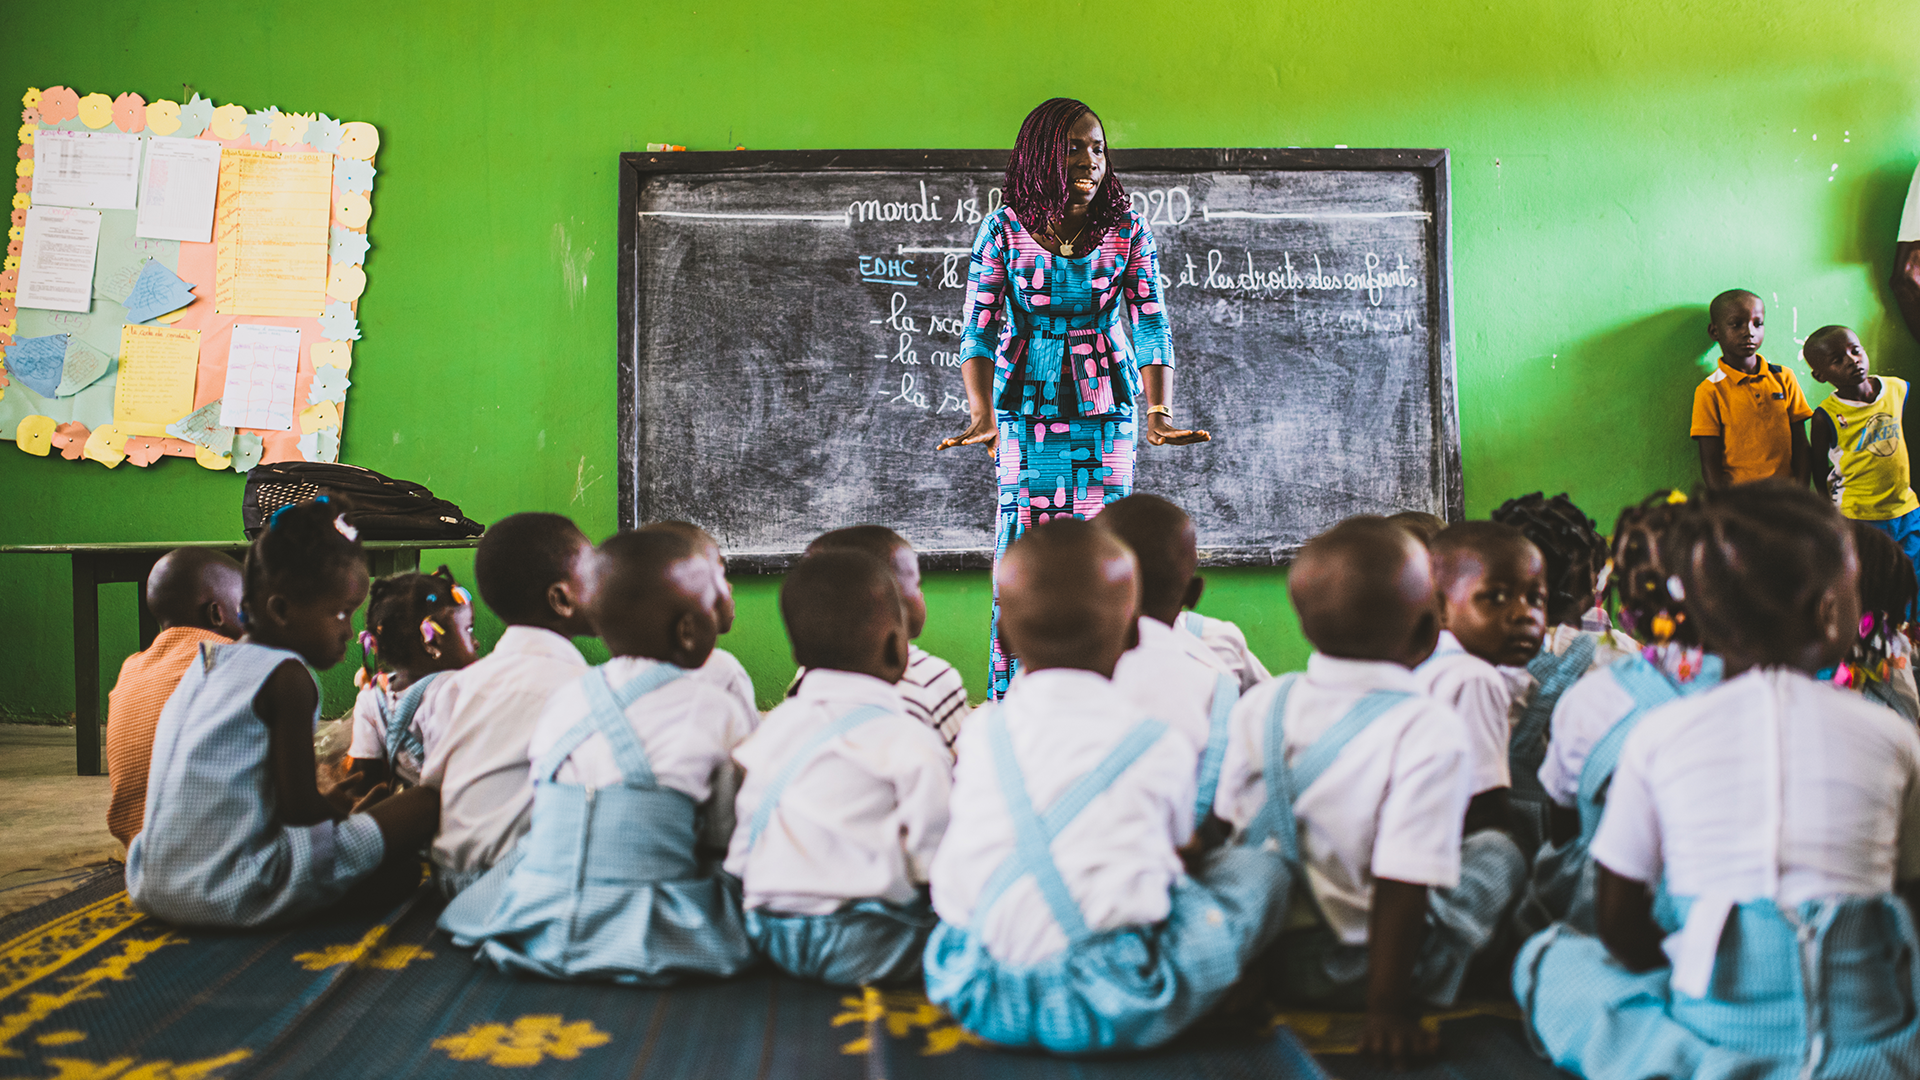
{"x": 1065, "y": 335}
{"x": 237, "y": 833}
{"x": 1880, "y": 666}
{"x": 1777, "y": 820}
{"x": 1592, "y": 720}
{"x": 418, "y": 626}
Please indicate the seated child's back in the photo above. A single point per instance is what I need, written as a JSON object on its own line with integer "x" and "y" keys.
{"x": 529, "y": 570}
{"x": 236, "y": 833}
{"x": 633, "y": 793}
{"x": 194, "y": 594}
{"x": 845, "y": 796}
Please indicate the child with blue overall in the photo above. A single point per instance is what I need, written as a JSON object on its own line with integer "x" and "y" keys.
{"x": 1776, "y": 816}
{"x": 418, "y": 626}
{"x": 617, "y": 876}
{"x": 1576, "y": 556}
{"x": 845, "y": 796}
{"x": 530, "y": 570}
{"x": 1880, "y": 665}
{"x": 723, "y": 669}
{"x": 931, "y": 689}
{"x": 1066, "y": 920}
{"x": 1491, "y": 585}
{"x": 1172, "y": 676}
{"x": 1391, "y": 905}
{"x": 237, "y": 833}
{"x": 1860, "y": 456}
{"x": 1592, "y": 720}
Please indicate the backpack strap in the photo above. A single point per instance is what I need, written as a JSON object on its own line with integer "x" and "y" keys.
{"x": 1649, "y": 687}
{"x": 1196, "y": 624}
{"x": 607, "y": 715}
{"x": 801, "y": 757}
{"x": 1554, "y": 674}
{"x": 1226, "y": 693}
{"x": 1033, "y": 834}
{"x": 1318, "y": 757}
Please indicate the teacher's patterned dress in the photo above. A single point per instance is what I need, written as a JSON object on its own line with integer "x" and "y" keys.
{"x": 1067, "y": 337}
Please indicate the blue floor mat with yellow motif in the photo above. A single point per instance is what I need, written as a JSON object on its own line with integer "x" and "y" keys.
{"x": 90, "y": 989}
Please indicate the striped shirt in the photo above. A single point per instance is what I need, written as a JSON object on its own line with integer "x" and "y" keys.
{"x": 931, "y": 690}
{"x": 146, "y": 681}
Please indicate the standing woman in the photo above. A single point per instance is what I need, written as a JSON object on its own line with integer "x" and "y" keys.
{"x": 1066, "y": 332}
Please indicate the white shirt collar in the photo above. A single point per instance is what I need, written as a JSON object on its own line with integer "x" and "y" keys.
{"x": 822, "y": 685}
{"x": 1336, "y": 673}
{"x": 536, "y": 641}
{"x": 1071, "y": 688}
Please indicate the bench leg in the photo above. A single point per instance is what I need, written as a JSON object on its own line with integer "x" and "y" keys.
{"x": 86, "y": 667}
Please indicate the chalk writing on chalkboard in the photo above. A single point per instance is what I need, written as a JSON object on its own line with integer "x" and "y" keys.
{"x": 791, "y": 326}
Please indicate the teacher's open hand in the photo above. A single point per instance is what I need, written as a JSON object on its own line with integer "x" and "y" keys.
{"x": 1161, "y": 433}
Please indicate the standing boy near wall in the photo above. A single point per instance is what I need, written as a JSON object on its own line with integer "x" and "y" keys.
{"x": 1859, "y": 439}
{"x": 1747, "y": 414}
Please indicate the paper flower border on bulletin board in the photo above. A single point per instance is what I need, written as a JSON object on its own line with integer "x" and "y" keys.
{"x": 80, "y": 371}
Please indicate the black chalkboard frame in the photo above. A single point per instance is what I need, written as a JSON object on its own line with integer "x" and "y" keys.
{"x": 636, "y": 168}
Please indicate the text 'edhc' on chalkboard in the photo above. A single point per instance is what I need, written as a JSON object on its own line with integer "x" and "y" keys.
{"x": 790, "y": 331}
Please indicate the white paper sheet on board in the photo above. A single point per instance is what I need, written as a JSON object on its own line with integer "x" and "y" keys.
{"x": 95, "y": 169}
{"x": 261, "y": 363}
{"x": 177, "y": 187}
{"x": 56, "y": 258}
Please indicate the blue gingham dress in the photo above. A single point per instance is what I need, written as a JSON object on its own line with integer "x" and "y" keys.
{"x": 213, "y": 852}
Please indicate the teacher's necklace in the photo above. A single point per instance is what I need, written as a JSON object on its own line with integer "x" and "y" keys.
{"x": 1066, "y": 246}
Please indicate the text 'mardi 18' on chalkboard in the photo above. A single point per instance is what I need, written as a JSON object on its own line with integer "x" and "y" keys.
{"x": 790, "y": 333}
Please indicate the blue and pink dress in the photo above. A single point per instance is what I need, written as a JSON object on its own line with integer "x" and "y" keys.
{"x": 1067, "y": 337}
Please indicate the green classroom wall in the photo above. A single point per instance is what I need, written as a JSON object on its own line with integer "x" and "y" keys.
{"x": 1614, "y": 165}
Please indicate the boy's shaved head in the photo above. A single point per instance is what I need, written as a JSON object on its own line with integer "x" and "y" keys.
{"x": 843, "y": 612}
{"x": 1163, "y": 540}
{"x": 652, "y": 593}
{"x": 1068, "y": 596}
{"x": 1422, "y": 525}
{"x": 1464, "y": 548}
{"x": 519, "y": 561}
{"x": 1724, "y": 303}
{"x": 705, "y": 541}
{"x": 198, "y": 588}
{"x": 890, "y": 548}
{"x": 1826, "y": 340}
{"x": 1364, "y": 591}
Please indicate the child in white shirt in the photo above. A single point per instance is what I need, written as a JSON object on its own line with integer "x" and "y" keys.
{"x": 1777, "y": 815}
{"x": 845, "y": 796}
{"x": 632, "y": 766}
{"x": 418, "y": 627}
{"x": 1066, "y": 920}
{"x": 722, "y": 669}
{"x": 1492, "y": 591}
{"x": 1377, "y": 776}
{"x": 528, "y": 568}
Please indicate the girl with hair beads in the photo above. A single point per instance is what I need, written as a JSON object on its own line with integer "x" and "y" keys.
{"x": 1881, "y": 664}
{"x": 1593, "y": 719}
{"x": 418, "y": 626}
{"x": 1781, "y": 818}
{"x": 237, "y": 833}
{"x": 1577, "y": 641}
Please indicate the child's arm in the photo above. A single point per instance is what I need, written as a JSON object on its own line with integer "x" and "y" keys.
{"x": 1623, "y": 910}
{"x": 1824, "y": 439}
{"x": 1713, "y": 460}
{"x": 1802, "y": 457}
{"x": 285, "y": 703}
{"x": 1488, "y": 810}
{"x": 1396, "y": 929}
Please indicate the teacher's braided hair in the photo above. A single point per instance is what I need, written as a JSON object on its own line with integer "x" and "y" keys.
{"x": 1572, "y": 546}
{"x": 1755, "y": 562}
{"x": 1036, "y": 186}
{"x": 304, "y": 546}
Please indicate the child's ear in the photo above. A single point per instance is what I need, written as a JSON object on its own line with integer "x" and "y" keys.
{"x": 277, "y": 607}
{"x": 893, "y": 653}
{"x": 1195, "y": 589}
{"x": 1426, "y": 634}
{"x": 213, "y": 616}
{"x": 561, "y": 599}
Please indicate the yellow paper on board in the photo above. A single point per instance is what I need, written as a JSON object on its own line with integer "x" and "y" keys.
{"x": 106, "y": 444}
{"x": 315, "y": 417}
{"x": 155, "y": 387}
{"x": 207, "y": 459}
{"x": 332, "y": 354}
{"x": 270, "y": 232}
{"x": 34, "y": 434}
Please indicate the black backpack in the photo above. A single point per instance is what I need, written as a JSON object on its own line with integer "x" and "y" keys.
{"x": 380, "y": 507}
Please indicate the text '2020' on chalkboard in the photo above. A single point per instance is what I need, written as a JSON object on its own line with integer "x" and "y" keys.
{"x": 790, "y": 329}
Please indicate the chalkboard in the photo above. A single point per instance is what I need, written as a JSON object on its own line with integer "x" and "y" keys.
{"x": 790, "y": 334}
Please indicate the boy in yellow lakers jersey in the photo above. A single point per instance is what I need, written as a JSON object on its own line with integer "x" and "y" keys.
{"x": 1859, "y": 439}
{"x": 1747, "y": 414}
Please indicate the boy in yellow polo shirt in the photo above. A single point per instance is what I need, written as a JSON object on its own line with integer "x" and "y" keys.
{"x": 1859, "y": 439}
{"x": 1747, "y": 414}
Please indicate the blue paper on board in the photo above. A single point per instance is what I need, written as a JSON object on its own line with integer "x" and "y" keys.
{"x": 352, "y": 175}
{"x": 157, "y": 291}
{"x": 337, "y": 322}
{"x": 195, "y": 115}
{"x": 38, "y": 362}
{"x": 347, "y": 246}
{"x": 323, "y": 134}
{"x": 329, "y": 384}
{"x": 260, "y": 125}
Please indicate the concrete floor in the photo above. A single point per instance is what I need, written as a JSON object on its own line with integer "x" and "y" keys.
{"x": 52, "y": 822}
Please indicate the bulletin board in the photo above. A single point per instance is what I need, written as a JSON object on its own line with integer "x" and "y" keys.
{"x": 218, "y": 320}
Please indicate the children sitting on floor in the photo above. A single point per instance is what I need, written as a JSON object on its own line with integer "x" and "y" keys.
{"x": 1592, "y": 719}
{"x": 845, "y": 796}
{"x": 529, "y": 569}
{"x": 931, "y": 689}
{"x": 418, "y": 626}
{"x": 632, "y": 769}
{"x": 1396, "y": 906}
{"x": 1775, "y": 814}
{"x": 1880, "y": 664}
{"x": 194, "y": 594}
{"x": 1491, "y": 586}
{"x": 1171, "y": 676}
{"x": 1066, "y": 922}
{"x": 237, "y": 834}
{"x": 723, "y": 669}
